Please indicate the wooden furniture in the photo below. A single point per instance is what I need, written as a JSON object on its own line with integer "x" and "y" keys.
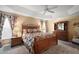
{"x": 43, "y": 43}
{"x": 30, "y": 28}
{"x": 61, "y": 29}
{"x": 16, "y": 41}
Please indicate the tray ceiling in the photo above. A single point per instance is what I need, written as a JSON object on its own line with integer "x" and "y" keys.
{"x": 38, "y": 10}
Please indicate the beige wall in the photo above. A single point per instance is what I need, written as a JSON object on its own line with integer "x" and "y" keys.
{"x": 72, "y": 27}
{"x": 24, "y": 20}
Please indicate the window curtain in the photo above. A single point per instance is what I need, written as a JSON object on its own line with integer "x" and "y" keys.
{"x": 46, "y": 24}
{"x": 11, "y": 20}
{"x": 43, "y": 26}
{"x": 1, "y": 23}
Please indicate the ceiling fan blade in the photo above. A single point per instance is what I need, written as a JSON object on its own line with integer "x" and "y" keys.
{"x": 51, "y": 11}
{"x": 47, "y": 10}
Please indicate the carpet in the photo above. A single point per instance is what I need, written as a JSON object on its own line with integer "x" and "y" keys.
{"x": 63, "y": 48}
{"x": 15, "y": 50}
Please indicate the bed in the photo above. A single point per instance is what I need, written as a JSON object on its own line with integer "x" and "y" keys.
{"x": 35, "y": 41}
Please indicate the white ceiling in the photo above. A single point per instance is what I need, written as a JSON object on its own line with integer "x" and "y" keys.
{"x": 38, "y": 10}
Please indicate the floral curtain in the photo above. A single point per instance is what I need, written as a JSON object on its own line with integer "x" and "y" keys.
{"x": 1, "y": 23}
{"x": 12, "y": 21}
{"x": 11, "y": 18}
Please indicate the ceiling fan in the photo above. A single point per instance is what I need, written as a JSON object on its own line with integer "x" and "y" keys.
{"x": 47, "y": 9}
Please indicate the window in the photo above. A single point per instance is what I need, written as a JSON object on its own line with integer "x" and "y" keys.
{"x": 6, "y": 31}
{"x": 43, "y": 26}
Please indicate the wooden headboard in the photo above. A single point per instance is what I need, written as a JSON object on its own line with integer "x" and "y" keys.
{"x": 30, "y": 28}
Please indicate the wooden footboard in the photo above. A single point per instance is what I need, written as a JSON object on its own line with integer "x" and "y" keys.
{"x": 42, "y": 44}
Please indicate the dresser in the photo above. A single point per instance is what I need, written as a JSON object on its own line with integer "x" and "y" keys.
{"x": 61, "y": 30}
{"x": 16, "y": 41}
